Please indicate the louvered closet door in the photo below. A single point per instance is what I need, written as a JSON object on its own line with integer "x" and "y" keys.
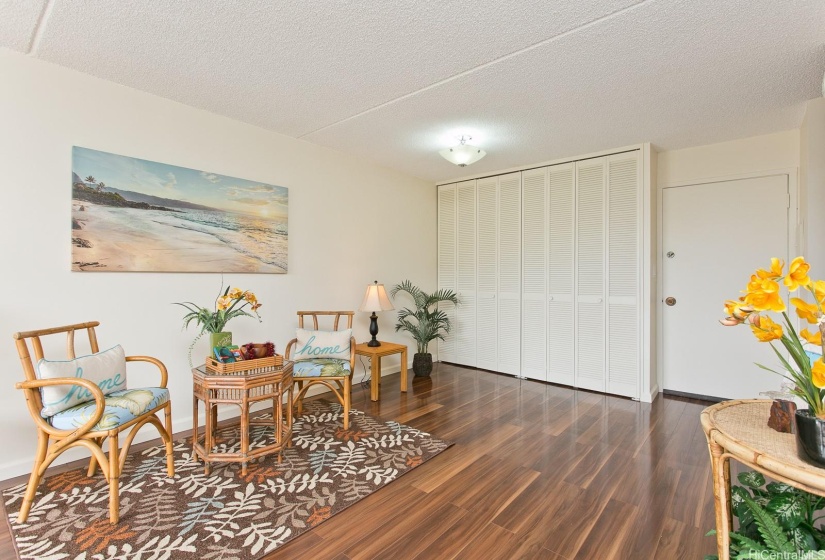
{"x": 534, "y": 274}
{"x": 509, "y": 274}
{"x": 447, "y": 262}
{"x": 590, "y": 274}
{"x": 487, "y": 273}
{"x": 623, "y": 273}
{"x": 465, "y": 334}
{"x": 561, "y": 213}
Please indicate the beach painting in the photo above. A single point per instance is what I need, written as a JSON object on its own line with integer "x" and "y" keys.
{"x": 134, "y": 215}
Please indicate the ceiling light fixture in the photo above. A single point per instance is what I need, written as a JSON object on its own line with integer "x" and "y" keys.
{"x": 463, "y": 154}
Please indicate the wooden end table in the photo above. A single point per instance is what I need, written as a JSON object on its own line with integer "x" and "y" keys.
{"x": 243, "y": 390}
{"x": 375, "y": 353}
{"x": 739, "y": 430}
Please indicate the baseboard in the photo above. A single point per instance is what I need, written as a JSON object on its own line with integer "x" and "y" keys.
{"x": 651, "y": 396}
{"x": 13, "y": 469}
{"x": 693, "y": 396}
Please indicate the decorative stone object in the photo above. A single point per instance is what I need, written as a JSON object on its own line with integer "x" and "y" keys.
{"x": 782, "y": 416}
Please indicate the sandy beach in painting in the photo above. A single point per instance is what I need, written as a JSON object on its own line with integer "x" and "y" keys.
{"x": 130, "y": 239}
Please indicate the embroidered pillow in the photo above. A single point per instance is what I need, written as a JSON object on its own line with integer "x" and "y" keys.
{"x": 313, "y": 345}
{"x": 106, "y": 369}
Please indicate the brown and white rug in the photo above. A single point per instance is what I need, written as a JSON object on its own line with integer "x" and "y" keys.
{"x": 224, "y": 516}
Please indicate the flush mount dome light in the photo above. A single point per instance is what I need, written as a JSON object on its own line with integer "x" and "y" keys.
{"x": 463, "y": 154}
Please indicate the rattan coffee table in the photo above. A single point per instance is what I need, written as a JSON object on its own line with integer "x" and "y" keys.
{"x": 739, "y": 430}
{"x": 243, "y": 389}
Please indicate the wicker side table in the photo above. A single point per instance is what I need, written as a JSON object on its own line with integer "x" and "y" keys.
{"x": 739, "y": 430}
{"x": 242, "y": 389}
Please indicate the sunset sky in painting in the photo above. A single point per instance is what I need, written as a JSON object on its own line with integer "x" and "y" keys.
{"x": 180, "y": 183}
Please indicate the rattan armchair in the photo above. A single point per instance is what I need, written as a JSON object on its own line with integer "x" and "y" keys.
{"x": 340, "y": 385}
{"x": 51, "y": 441}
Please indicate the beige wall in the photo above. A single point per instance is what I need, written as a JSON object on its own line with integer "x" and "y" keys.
{"x": 812, "y": 182}
{"x": 769, "y": 152}
{"x": 350, "y": 222}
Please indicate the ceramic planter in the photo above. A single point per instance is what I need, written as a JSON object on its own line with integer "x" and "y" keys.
{"x": 220, "y": 339}
{"x": 810, "y": 436}
{"x": 422, "y": 365}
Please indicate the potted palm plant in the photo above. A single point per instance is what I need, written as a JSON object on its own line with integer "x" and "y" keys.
{"x": 425, "y": 323}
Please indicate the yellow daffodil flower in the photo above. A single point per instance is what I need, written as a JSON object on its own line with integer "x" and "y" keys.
{"x": 738, "y": 310}
{"x": 763, "y": 295}
{"x": 797, "y": 274}
{"x": 818, "y": 373}
{"x": 224, "y": 302}
{"x": 235, "y": 293}
{"x": 813, "y": 338}
{"x": 819, "y": 291}
{"x": 804, "y": 310}
{"x": 774, "y": 273}
{"x": 250, "y": 297}
{"x": 764, "y": 329}
{"x": 256, "y": 306}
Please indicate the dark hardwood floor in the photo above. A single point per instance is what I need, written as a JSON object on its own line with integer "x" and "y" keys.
{"x": 537, "y": 471}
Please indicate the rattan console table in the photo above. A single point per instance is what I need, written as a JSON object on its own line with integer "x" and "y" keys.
{"x": 739, "y": 430}
{"x": 242, "y": 389}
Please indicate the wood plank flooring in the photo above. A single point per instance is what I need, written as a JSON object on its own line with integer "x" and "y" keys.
{"x": 537, "y": 471}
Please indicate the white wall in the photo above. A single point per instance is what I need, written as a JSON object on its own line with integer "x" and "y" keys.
{"x": 768, "y": 152}
{"x": 812, "y": 182}
{"x": 350, "y": 222}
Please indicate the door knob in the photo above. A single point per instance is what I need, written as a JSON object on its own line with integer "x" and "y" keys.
{"x": 671, "y": 301}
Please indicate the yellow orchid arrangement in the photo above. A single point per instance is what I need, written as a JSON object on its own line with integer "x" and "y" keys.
{"x": 763, "y": 295}
{"x": 232, "y": 303}
{"x": 226, "y": 308}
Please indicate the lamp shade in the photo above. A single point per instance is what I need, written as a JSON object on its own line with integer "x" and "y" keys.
{"x": 463, "y": 154}
{"x": 375, "y": 299}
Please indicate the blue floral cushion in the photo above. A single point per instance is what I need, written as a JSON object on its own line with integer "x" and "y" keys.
{"x": 121, "y": 407}
{"x": 325, "y": 367}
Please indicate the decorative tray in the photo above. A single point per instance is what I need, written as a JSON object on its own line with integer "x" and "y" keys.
{"x": 244, "y": 366}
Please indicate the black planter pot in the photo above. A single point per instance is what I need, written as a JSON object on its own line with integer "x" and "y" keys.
{"x": 422, "y": 365}
{"x": 810, "y": 436}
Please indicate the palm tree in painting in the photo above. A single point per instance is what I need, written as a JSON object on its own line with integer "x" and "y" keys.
{"x": 100, "y": 186}
{"x": 90, "y": 179}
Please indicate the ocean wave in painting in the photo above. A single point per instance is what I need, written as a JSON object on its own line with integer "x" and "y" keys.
{"x": 259, "y": 238}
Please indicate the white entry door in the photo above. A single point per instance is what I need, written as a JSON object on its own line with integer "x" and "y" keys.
{"x": 715, "y": 235}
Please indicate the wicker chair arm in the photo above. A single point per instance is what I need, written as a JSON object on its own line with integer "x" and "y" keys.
{"x": 289, "y": 346}
{"x": 164, "y": 376}
{"x": 73, "y": 435}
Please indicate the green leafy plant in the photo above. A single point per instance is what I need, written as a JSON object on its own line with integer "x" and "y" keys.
{"x": 773, "y": 518}
{"x": 426, "y": 322}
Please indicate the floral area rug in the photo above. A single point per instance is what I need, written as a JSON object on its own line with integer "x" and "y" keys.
{"x": 224, "y": 516}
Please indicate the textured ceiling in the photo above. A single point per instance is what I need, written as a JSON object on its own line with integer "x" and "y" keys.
{"x": 391, "y": 80}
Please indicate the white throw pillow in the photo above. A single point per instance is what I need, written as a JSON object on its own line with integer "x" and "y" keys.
{"x": 314, "y": 345}
{"x": 106, "y": 369}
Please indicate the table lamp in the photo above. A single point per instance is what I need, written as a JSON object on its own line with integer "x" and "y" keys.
{"x": 375, "y": 300}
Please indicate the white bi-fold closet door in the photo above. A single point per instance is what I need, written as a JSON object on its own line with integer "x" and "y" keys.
{"x": 580, "y": 290}
{"x": 548, "y": 320}
{"x": 546, "y": 263}
{"x": 498, "y": 300}
{"x": 465, "y": 315}
{"x": 447, "y": 258}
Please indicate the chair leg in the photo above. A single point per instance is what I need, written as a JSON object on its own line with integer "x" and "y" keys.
{"x": 300, "y": 402}
{"x": 93, "y": 460}
{"x": 114, "y": 478}
{"x": 347, "y": 397}
{"x": 170, "y": 448}
{"x": 34, "y": 479}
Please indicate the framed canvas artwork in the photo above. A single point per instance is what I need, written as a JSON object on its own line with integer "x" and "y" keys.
{"x": 134, "y": 215}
